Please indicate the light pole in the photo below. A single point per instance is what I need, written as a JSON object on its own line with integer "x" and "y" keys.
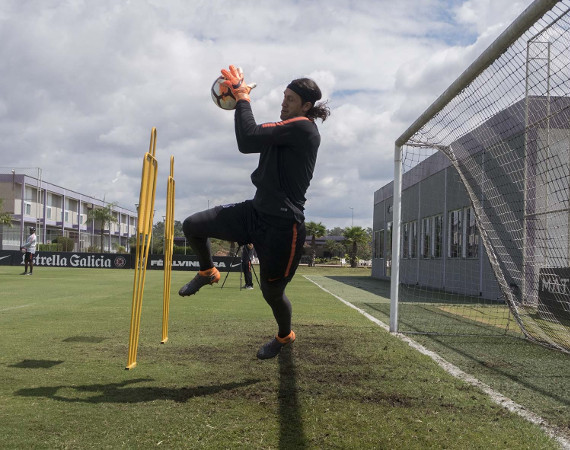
{"x": 352, "y": 214}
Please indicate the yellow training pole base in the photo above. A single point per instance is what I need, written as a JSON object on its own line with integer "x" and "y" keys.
{"x": 164, "y": 341}
{"x": 131, "y": 366}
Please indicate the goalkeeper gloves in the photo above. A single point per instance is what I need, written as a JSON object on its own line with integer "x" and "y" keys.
{"x": 236, "y": 84}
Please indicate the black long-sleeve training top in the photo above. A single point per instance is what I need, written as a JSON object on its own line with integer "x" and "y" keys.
{"x": 288, "y": 153}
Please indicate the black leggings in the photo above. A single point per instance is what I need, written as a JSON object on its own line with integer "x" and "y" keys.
{"x": 278, "y": 243}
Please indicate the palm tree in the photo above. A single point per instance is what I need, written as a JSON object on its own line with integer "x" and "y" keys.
{"x": 355, "y": 237}
{"x": 104, "y": 216}
{"x": 316, "y": 230}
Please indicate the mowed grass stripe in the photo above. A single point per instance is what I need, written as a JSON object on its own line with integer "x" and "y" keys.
{"x": 497, "y": 397}
{"x": 345, "y": 383}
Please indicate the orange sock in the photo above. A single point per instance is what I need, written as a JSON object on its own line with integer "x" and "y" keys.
{"x": 207, "y": 272}
{"x": 287, "y": 339}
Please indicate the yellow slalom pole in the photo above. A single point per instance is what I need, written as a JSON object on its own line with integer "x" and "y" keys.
{"x": 168, "y": 247}
{"x": 144, "y": 234}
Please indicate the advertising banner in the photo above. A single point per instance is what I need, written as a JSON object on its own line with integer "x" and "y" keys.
{"x": 114, "y": 261}
{"x": 190, "y": 262}
{"x": 69, "y": 259}
{"x": 554, "y": 290}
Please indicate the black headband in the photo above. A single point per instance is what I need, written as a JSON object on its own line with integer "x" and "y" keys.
{"x": 307, "y": 95}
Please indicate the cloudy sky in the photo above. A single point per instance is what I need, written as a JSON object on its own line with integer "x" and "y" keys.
{"x": 83, "y": 83}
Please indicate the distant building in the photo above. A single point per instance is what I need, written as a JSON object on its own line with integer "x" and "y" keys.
{"x": 57, "y": 211}
{"x": 440, "y": 244}
{"x": 438, "y": 234}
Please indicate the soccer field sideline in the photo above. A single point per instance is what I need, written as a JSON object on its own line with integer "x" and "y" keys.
{"x": 453, "y": 370}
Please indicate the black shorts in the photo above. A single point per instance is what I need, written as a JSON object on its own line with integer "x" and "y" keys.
{"x": 278, "y": 242}
{"x": 28, "y": 257}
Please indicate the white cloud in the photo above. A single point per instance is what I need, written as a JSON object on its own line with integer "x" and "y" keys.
{"x": 84, "y": 82}
{"x": 488, "y": 16}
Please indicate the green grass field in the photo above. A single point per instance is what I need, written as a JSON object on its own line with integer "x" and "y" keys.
{"x": 345, "y": 383}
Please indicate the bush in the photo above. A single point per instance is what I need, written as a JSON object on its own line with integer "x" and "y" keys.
{"x": 179, "y": 250}
{"x": 67, "y": 244}
{"x": 50, "y": 248}
{"x": 119, "y": 248}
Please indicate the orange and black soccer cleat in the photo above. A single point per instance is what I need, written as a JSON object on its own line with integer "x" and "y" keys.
{"x": 273, "y": 347}
{"x": 202, "y": 278}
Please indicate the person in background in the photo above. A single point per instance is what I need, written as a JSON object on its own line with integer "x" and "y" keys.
{"x": 246, "y": 254}
{"x": 30, "y": 248}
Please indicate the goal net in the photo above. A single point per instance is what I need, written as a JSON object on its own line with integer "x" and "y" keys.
{"x": 483, "y": 196}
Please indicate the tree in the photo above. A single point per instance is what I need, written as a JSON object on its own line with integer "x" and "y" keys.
{"x": 365, "y": 251}
{"x": 316, "y": 230}
{"x": 335, "y": 248}
{"x": 178, "y": 230}
{"x": 5, "y": 218}
{"x": 158, "y": 235}
{"x": 158, "y": 238}
{"x": 336, "y": 231}
{"x": 104, "y": 216}
{"x": 354, "y": 237}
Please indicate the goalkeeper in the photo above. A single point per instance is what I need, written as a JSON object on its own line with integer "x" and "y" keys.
{"x": 273, "y": 221}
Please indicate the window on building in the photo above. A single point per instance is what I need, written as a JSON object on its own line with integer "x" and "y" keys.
{"x": 426, "y": 237}
{"x": 48, "y": 212}
{"x": 438, "y": 236}
{"x": 388, "y": 258}
{"x": 66, "y": 217}
{"x": 414, "y": 239}
{"x": 31, "y": 193}
{"x": 379, "y": 244}
{"x": 406, "y": 240}
{"x": 410, "y": 239}
{"x": 53, "y": 200}
{"x": 472, "y": 234}
{"x": 28, "y": 209}
{"x": 455, "y": 240}
{"x": 388, "y": 248}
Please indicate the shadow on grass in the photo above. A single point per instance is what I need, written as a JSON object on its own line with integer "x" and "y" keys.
{"x": 513, "y": 369}
{"x": 85, "y": 339}
{"x": 36, "y": 364}
{"x": 124, "y": 393}
{"x": 291, "y": 434}
{"x": 557, "y": 377}
{"x": 455, "y": 325}
{"x": 503, "y": 355}
{"x": 367, "y": 283}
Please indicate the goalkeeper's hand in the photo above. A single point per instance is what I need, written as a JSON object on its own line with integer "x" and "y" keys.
{"x": 236, "y": 84}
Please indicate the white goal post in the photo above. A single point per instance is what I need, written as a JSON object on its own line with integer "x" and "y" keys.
{"x": 522, "y": 79}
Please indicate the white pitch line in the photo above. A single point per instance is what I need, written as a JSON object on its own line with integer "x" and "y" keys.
{"x": 17, "y": 307}
{"x": 495, "y": 396}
